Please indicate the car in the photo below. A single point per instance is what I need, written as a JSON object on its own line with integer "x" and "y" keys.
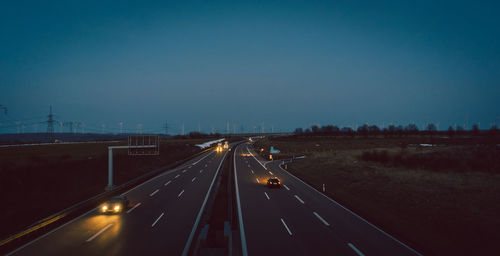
{"x": 116, "y": 204}
{"x": 219, "y": 147}
{"x": 274, "y": 182}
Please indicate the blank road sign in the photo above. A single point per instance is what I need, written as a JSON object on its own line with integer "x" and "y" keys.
{"x": 140, "y": 145}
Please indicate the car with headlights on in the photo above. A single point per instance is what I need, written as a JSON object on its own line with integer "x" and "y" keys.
{"x": 219, "y": 147}
{"x": 116, "y": 204}
{"x": 274, "y": 182}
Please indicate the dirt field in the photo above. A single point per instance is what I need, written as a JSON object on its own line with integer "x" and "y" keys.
{"x": 37, "y": 181}
{"x": 436, "y": 209}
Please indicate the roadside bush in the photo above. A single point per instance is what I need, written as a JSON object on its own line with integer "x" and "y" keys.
{"x": 376, "y": 156}
{"x": 460, "y": 160}
{"x": 65, "y": 157}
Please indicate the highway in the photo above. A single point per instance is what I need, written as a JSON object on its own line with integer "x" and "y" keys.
{"x": 165, "y": 211}
{"x": 161, "y": 219}
{"x": 296, "y": 219}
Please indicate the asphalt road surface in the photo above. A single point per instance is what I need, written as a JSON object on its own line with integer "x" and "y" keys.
{"x": 296, "y": 219}
{"x": 164, "y": 212}
{"x": 160, "y": 220}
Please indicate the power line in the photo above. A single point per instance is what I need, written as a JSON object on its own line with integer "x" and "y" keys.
{"x": 4, "y": 109}
{"x": 50, "y": 122}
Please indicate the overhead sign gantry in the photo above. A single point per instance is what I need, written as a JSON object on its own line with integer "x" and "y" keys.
{"x": 138, "y": 145}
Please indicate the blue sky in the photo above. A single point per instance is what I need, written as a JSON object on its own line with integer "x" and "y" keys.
{"x": 281, "y": 64}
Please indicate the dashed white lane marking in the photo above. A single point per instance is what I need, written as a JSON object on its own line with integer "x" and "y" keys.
{"x": 201, "y": 170}
{"x": 183, "y": 171}
{"x": 287, "y": 229}
{"x": 271, "y": 173}
{"x": 355, "y": 249}
{"x": 252, "y": 172}
{"x": 353, "y": 213}
{"x": 135, "y": 206}
{"x": 267, "y": 196}
{"x": 156, "y": 191}
{"x": 201, "y": 159}
{"x": 176, "y": 176}
{"x": 248, "y": 165}
{"x": 180, "y": 193}
{"x": 322, "y": 220}
{"x": 286, "y": 187}
{"x": 298, "y": 198}
{"x": 100, "y": 232}
{"x": 206, "y": 165}
{"x": 202, "y": 209}
{"x": 257, "y": 180}
{"x": 168, "y": 182}
{"x": 193, "y": 179}
{"x": 154, "y": 223}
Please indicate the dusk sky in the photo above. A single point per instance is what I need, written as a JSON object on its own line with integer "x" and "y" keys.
{"x": 283, "y": 63}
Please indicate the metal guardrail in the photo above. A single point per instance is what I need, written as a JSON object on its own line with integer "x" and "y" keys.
{"x": 90, "y": 202}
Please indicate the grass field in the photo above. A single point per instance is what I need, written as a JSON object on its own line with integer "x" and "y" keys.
{"x": 436, "y": 209}
{"x": 37, "y": 181}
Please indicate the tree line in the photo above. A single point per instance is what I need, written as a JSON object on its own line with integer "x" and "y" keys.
{"x": 391, "y": 130}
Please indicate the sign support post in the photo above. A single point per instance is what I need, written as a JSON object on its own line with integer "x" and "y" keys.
{"x": 131, "y": 148}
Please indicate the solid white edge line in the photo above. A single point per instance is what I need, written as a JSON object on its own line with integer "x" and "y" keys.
{"x": 154, "y": 223}
{"x": 193, "y": 230}
{"x": 100, "y": 232}
{"x": 50, "y": 232}
{"x": 240, "y": 216}
{"x": 320, "y": 218}
{"x": 79, "y": 217}
{"x": 180, "y": 193}
{"x": 299, "y": 199}
{"x": 156, "y": 191}
{"x": 284, "y": 224}
{"x": 135, "y": 206}
{"x": 161, "y": 175}
{"x": 286, "y": 187}
{"x": 267, "y": 196}
{"x": 265, "y": 168}
{"x": 343, "y": 207}
{"x": 355, "y": 249}
{"x": 202, "y": 158}
{"x": 168, "y": 182}
{"x": 193, "y": 179}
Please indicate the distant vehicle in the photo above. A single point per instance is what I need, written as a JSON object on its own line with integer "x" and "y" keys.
{"x": 115, "y": 205}
{"x": 226, "y": 145}
{"x": 219, "y": 147}
{"x": 273, "y": 182}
